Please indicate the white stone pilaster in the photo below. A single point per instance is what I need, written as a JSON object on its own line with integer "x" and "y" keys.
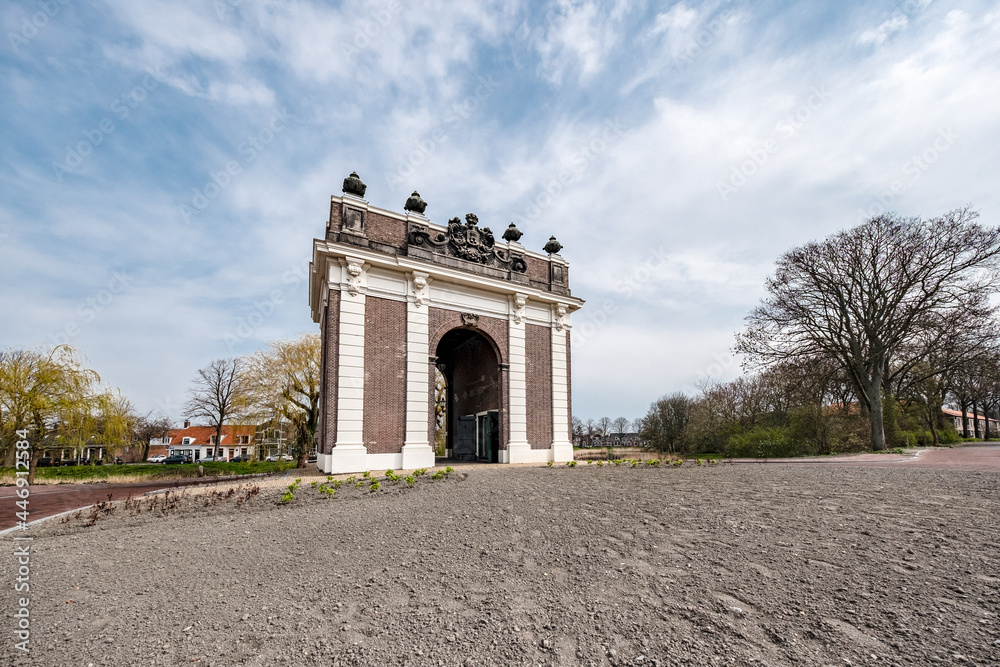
{"x": 562, "y": 446}
{"x": 518, "y": 450}
{"x": 417, "y": 450}
{"x": 349, "y": 453}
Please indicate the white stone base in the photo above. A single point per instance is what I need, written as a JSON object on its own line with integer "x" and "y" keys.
{"x": 562, "y": 451}
{"x": 418, "y": 455}
{"x": 348, "y": 458}
{"x": 524, "y": 454}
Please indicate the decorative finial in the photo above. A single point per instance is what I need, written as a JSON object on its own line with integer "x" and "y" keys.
{"x": 513, "y": 234}
{"x": 415, "y": 203}
{"x": 471, "y": 219}
{"x": 553, "y": 246}
{"x": 354, "y": 186}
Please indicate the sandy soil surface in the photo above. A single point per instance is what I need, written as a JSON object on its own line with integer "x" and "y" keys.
{"x": 713, "y": 565}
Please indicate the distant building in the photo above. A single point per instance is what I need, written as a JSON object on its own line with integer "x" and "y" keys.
{"x": 977, "y": 423}
{"x": 199, "y": 442}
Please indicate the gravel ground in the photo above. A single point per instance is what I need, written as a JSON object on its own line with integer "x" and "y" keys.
{"x": 713, "y": 565}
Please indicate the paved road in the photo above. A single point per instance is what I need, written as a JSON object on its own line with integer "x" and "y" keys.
{"x": 973, "y": 456}
{"x": 49, "y": 499}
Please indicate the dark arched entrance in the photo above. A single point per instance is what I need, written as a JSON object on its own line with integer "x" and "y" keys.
{"x": 469, "y": 362}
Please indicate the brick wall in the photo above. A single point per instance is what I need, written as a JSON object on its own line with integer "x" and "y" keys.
{"x": 385, "y": 375}
{"x": 335, "y": 217}
{"x": 538, "y": 355}
{"x": 475, "y": 379}
{"x": 328, "y": 399}
{"x": 385, "y": 230}
{"x": 538, "y": 269}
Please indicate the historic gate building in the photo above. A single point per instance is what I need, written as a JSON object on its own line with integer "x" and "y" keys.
{"x": 428, "y": 327}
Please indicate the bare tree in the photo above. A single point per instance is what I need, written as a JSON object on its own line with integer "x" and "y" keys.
{"x": 604, "y": 426}
{"x": 218, "y": 395}
{"x": 620, "y": 425}
{"x": 865, "y": 295}
{"x": 149, "y": 427}
{"x": 666, "y": 420}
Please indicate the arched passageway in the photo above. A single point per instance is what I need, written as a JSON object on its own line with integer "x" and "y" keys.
{"x": 470, "y": 395}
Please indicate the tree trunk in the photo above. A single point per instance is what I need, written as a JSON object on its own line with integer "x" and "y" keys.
{"x": 877, "y": 417}
{"x": 975, "y": 420}
{"x": 964, "y": 407}
{"x": 986, "y": 422}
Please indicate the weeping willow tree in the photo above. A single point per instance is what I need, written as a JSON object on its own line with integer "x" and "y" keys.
{"x": 283, "y": 382}
{"x": 50, "y": 394}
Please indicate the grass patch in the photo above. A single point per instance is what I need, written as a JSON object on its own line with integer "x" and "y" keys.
{"x": 144, "y": 471}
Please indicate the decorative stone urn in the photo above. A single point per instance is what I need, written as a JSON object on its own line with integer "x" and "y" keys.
{"x": 553, "y": 246}
{"x": 513, "y": 234}
{"x": 415, "y": 203}
{"x": 354, "y": 186}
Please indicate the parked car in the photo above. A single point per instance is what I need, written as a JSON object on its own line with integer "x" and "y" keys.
{"x": 242, "y": 458}
{"x": 47, "y": 461}
{"x": 311, "y": 458}
{"x": 176, "y": 458}
{"x": 157, "y": 458}
{"x": 283, "y": 457}
{"x": 213, "y": 458}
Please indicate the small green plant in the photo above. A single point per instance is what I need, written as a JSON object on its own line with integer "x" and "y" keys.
{"x": 653, "y": 462}
{"x": 448, "y": 470}
{"x": 701, "y": 462}
{"x": 570, "y": 464}
{"x": 617, "y": 462}
{"x": 325, "y": 490}
{"x": 359, "y": 483}
{"x": 678, "y": 462}
{"x": 635, "y": 463}
{"x": 589, "y": 461}
{"x": 374, "y": 486}
{"x": 351, "y": 478}
{"x": 329, "y": 478}
{"x": 410, "y": 479}
{"x": 549, "y": 464}
{"x": 287, "y": 498}
{"x": 367, "y": 473}
{"x": 600, "y": 464}
{"x": 314, "y": 484}
{"x": 337, "y": 483}
{"x": 439, "y": 475}
{"x": 420, "y": 471}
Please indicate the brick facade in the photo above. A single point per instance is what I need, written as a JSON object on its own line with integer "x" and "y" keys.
{"x": 328, "y": 399}
{"x": 385, "y": 375}
{"x": 538, "y": 353}
{"x": 380, "y": 335}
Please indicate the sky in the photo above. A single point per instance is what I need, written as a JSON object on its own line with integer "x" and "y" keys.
{"x": 166, "y": 165}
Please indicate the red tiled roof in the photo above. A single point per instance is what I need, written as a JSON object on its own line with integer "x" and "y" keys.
{"x": 202, "y": 434}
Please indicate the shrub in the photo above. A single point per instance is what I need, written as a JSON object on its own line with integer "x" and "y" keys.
{"x": 761, "y": 442}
